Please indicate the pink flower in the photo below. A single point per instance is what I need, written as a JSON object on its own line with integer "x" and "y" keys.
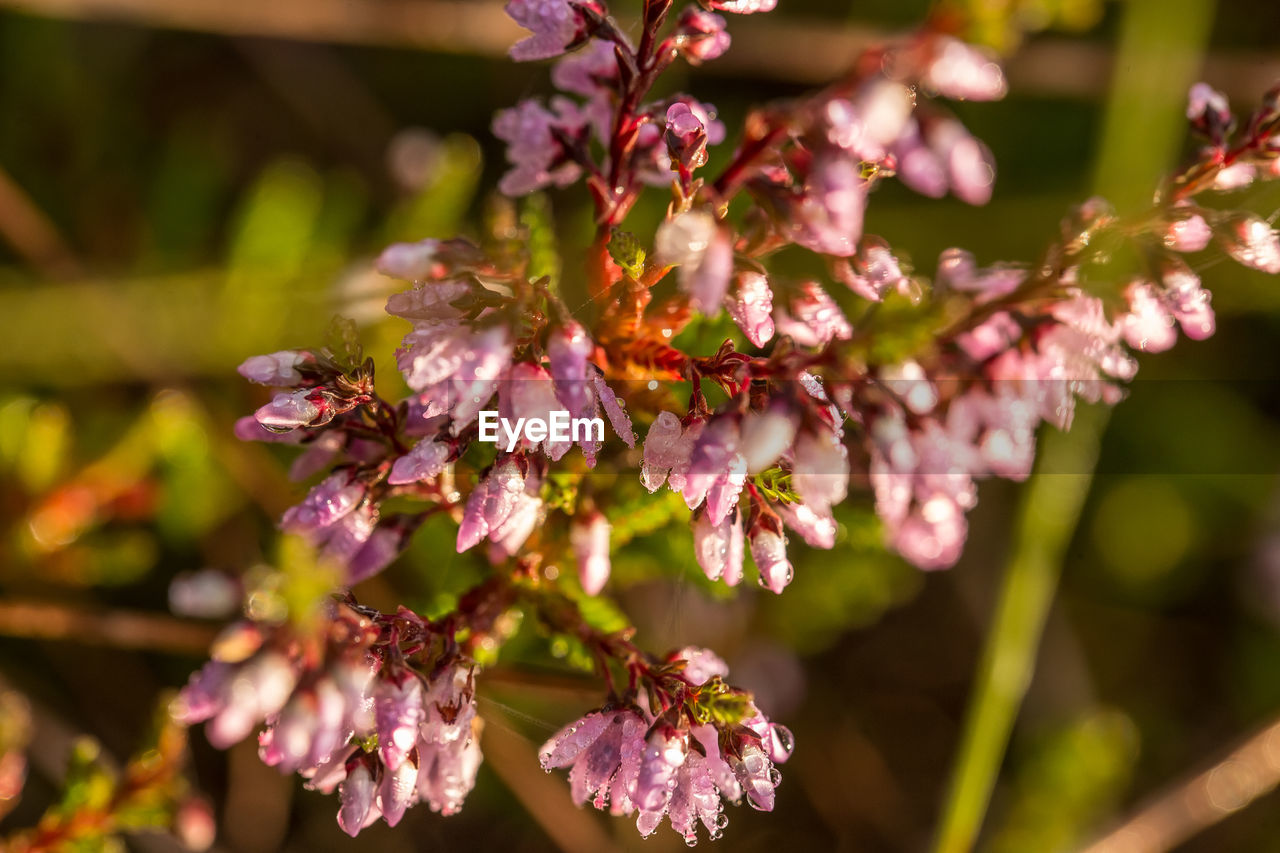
{"x": 817, "y": 527}
{"x": 821, "y": 470}
{"x": 702, "y": 249}
{"x": 814, "y": 319}
{"x": 1209, "y": 112}
{"x": 588, "y": 72}
{"x": 324, "y": 505}
{"x": 289, "y": 411}
{"x": 613, "y": 410}
{"x": 278, "y": 368}
{"x": 751, "y": 307}
{"x": 1188, "y": 235}
{"x": 686, "y": 136}
{"x": 667, "y": 451}
{"x": 769, "y": 553}
{"x": 536, "y": 155}
{"x": 555, "y": 24}
{"x": 964, "y": 72}
{"x": 717, "y": 469}
{"x": 1252, "y": 242}
{"x": 827, "y": 217}
{"x": 454, "y": 367}
{"x": 604, "y": 750}
{"x": 425, "y": 460}
{"x": 701, "y": 665}
{"x": 1147, "y": 326}
{"x": 590, "y": 540}
{"x": 1188, "y": 301}
{"x": 767, "y": 435}
{"x": 528, "y": 393}
{"x": 490, "y": 503}
{"x": 568, "y": 350}
{"x": 948, "y": 156}
{"x": 719, "y": 547}
{"x": 700, "y": 35}
{"x": 743, "y": 7}
{"x": 357, "y": 793}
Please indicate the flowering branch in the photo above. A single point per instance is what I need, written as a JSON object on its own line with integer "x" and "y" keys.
{"x": 869, "y": 377}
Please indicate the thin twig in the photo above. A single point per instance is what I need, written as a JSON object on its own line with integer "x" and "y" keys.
{"x": 1195, "y": 804}
{"x": 125, "y": 629}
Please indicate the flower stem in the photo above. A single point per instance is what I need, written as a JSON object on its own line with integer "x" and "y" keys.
{"x": 1046, "y": 521}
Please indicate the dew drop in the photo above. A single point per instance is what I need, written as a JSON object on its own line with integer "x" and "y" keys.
{"x": 784, "y": 739}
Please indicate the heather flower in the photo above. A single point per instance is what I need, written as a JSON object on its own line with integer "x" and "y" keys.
{"x": 1188, "y": 302}
{"x": 719, "y": 547}
{"x": 613, "y": 410}
{"x": 425, "y": 460}
{"x": 769, "y": 553}
{"x": 668, "y": 449}
{"x": 821, "y": 470}
{"x": 717, "y": 469}
{"x": 1252, "y": 242}
{"x": 817, "y": 527}
{"x": 278, "y": 368}
{"x": 1234, "y": 177}
{"x": 867, "y": 125}
{"x": 700, "y": 35}
{"x": 910, "y": 382}
{"x": 590, "y": 541}
{"x": 742, "y": 7}
{"x": 702, "y": 249}
{"x": 324, "y": 505}
{"x": 944, "y": 155}
{"x": 528, "y": 393}
{"x": 1190, "y": 234}
{"x": 1209, "y": 112}
{"x": 569, "y": 349}
{"x": 751, "y": 307}
{"x": 957, "y": 270}
{"x": 536, "y": 155}
{"x": 556, "y": 25}
{"x": 236, "y": 697}
{"x": 827, "y": 217}
{"x": 814, "y": 318}
{"x": 686, "y": 137}
{"x": 289, "y": 411}
{"x": 503, "y": 507}
{"x": 767, "y": 435}
{"x": 603, "y": 750}
{"x": 963, "y": 72}
{"x": 587, "y": 72}
{"x": 456, "y": 368}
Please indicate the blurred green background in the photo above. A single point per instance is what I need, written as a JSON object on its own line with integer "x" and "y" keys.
{"x": 185, "y": 183}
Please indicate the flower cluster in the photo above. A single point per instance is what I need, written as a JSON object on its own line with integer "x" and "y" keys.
{"x": 370, "y": 705}
{"x": 705, "y": 741}
{"x": 812, "y": 397}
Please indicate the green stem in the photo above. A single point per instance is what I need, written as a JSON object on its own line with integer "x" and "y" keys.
{"x": 1046, "y": 521}
{"x": 1159, "y": 53}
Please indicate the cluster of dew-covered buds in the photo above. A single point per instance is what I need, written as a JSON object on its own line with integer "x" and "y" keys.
{"x": 382, "y": 709}
{"x": 379, "y": 707}
{"x": 673, "y": 748}
{"x": 761, "y": 438}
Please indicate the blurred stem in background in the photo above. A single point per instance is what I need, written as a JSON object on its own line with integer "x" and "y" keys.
{"x": 1159, "y": 55}
{"x": 1046, "y": 521}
